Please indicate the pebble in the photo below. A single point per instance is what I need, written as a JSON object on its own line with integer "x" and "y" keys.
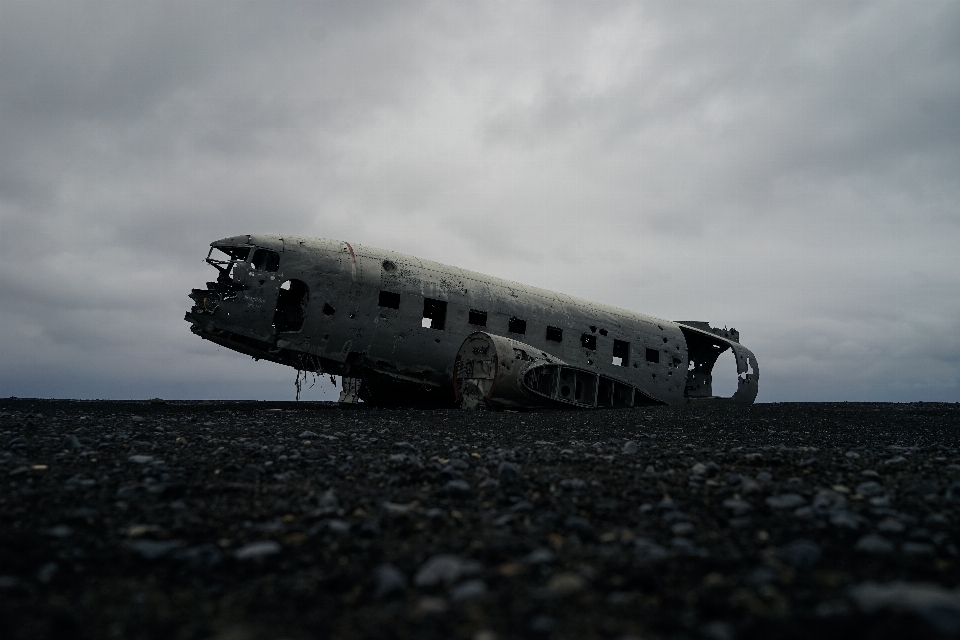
{"x": 844, "y": 519}
{"x": 937, "y": 606}
{"x": 873, "y": 543}
{"x": 737, "y": 505}
{"x": 565, "y": 584}
{"x": 257, "y": 550}
{"x": 60, "y": 531}
{"x": 630, "y": 447}
{"x": 890, "y": 525}
{"x": 390, "y": 581}
{"x": 140, "y": 459}
{"x": 154, "y": 549}
{"x": 444, "y": 568}
{"x": 800, "y": 553}
{"x": 917, "y": 549}
{"x": 827, "y": 501}
{"x": 785, "y": 501}
{"x": 540, "y": 556}
{"x": 648, "y": 550}
{"x": 952, "y": 493}
{"x": 508, "y": 472}
{"x": 457, "y": 489}
{"x": 869, "y": 489}
{"x": 469, "y": 590}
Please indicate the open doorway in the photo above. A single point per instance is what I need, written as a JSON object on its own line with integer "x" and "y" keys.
{"x": 292, "y": 304}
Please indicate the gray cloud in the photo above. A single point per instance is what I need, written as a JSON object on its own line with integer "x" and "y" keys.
{"x": 787, "y": 168}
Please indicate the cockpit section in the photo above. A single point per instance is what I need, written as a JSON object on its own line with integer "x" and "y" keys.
{"x": 250, "y": 297}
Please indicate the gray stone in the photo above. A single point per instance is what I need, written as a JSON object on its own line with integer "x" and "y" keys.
{"x": 542, "y": 625}
{"x": 761, "y": 575}
{"x": 952, "y": 493}
{"x": 890, "y": 525}
{"x": 737, "y": 505}
{"x": 508, "y": 473}
{"x": 785, "y": 501}
{"x": 257, "y": 550}
{"x": 489, "y": 483}
{"x": 917, "y": 549}
{"x": 72, "y": 442}
{"x": 390, "y": 581}
{"x": 46, "y": 572}
{"x": 869, "y": 489}
{"x": 827, "y": 501}
{"x": 649, "y": 551}
{"x": 630, "y": 447}
{"x": 540, "y": 556}
{"x": 682, "y": 529}
{"x": 60, "y": 531}
{"x": 469, "y": 590}
{"x": 328, "y": 503}
{"x": 717, "y": 630}
{"x": 457, "y": 489}
{"x": 154, "y": 549}
{"x": 922, "y": 488}
{"x": 578, "y": 524}
{"x": 880, "y": 501}
{"x": 845, "y": 520}
{"x": 307, "y": 434}
{"x": 565, "y": 584}
{"x": 140, "y": 459}
{"x": 202, "y": 555}
{"x": 572, "y": 483}
{"x": 337, "y": 526}
{"x": 873, "y": 543}
{"x": 937, "y": 606}
{"x": 443, "y": 568}
{"x": 800, "y": 553}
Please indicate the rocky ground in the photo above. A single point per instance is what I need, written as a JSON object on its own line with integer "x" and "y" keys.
{"x": 238, "y": 520}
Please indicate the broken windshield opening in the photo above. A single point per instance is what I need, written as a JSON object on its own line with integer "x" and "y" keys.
{"x": 225, "y": 267}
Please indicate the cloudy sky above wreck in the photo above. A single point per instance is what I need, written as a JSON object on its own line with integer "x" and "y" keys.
{"x": 789, "y": 169}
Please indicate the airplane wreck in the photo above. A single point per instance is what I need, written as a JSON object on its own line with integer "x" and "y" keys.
{"x": 403, "y": 331}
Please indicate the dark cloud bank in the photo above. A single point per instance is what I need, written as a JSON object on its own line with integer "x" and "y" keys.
{"x": 789, "y": 169}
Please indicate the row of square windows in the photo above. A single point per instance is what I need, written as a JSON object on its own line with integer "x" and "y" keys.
{"x": 435, "y": 316}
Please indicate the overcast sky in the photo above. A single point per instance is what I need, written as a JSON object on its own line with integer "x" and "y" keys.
{"x": 791, "y": 169}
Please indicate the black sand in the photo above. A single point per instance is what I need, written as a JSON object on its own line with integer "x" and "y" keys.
{"x": 227, "y": 520}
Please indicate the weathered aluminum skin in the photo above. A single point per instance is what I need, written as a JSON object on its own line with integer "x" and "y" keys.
{"x": 346, "y": 331}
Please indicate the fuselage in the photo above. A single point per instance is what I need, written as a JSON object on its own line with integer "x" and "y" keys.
{"x": 397, "y": 321}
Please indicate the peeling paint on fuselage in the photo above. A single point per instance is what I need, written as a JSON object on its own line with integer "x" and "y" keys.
{"x": 348, "y": 332}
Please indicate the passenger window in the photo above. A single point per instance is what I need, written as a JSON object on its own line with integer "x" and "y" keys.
{"x": 478, "y": 318}
{"x": 516, "y": 325}
{"x": 266, "y": 260}
{"x": 554, "y": 334}
{"x": 434, "y": 314}
{"x": 389, "y": 300}
{"x": 621, "y": 353}
{"x": 653, "y": 356}
{"x": 589, "y": 341}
